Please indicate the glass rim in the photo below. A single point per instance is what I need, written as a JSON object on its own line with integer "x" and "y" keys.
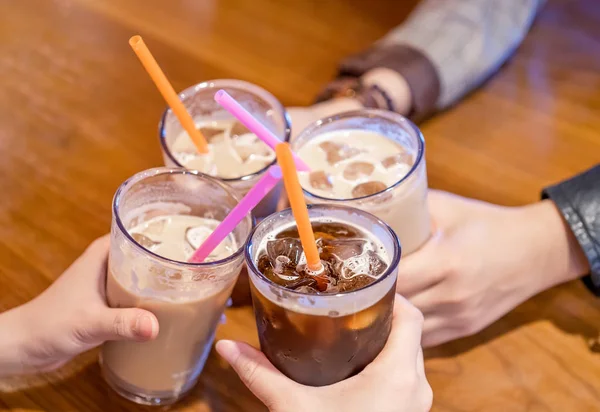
{"x": 226, "y": 83}
{"x": 393, "y": 265}
{"x": 371, "y": 114}
{"x": 157, "y": 171}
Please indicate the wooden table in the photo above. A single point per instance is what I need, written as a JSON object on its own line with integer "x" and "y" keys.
{"x": 78, "y": 116}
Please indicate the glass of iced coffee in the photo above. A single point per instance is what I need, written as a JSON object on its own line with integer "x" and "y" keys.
{"x": 321, "y": 331}
{"x": 236, "y": 156}
{"x": 373, "y": 160}
{"x": 160, "y": 216}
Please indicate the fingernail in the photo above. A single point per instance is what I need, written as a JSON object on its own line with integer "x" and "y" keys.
{"x": 144, "y": 326}
{"x": 228, "y": 349}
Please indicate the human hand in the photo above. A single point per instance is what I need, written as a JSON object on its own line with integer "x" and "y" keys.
{"x": 394, "y": 381}
{"x": 482, "y": 261}
{"x": 68, "y": 318}
{"x": 304, "y": 116}
{"x": 394, "y": 86}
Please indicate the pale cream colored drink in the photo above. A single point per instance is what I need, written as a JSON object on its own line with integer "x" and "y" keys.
{"x": 236, "y": 156}
{"x": 233, "y": 150}
{"x": 187, "y": 323}
{"x": 372, "y": 160}
{"x": 155, "y": 231}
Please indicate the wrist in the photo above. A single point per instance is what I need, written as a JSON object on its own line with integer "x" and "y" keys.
{"x": 14, "y": 338}
{"x": 337, "y": 105}
{"x": 379, "y": 88}
{"x": 560, "y": 256}
{"x": 393, "y": 84}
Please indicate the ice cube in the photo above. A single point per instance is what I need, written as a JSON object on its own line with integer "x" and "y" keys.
{"x": 288, "y": 247}
{"x": 238, "y": 129}
{"x": 280, "y": 270}
{"x": 195, "y": 236}
{"x": 188, "y": 251}
{"x": 203, "y": 163}
{"x": 383, "y": 198}
{"x": 323, "y": 235}
{"x": 368, "y": 188}
{"x": 175, "y": 276}
{"x": 320, "y": 180}
{"x": 398, "y": 159}
{"x": 305, "y": 285}
{"x": 299, "y": 320}
{"x": 332, "y": 287}
{"x": 363, "y": 319}
{"x": 368, "y": 264}
{"x": 354, "y": 266}
{"x": 155, "y": 227}
{"x": 248, "y": 139}
{"x": 341, "y": 249}
{"x": 280, "y": 263}
{"x": 142, "y": 216}
{"x": 358, "y": 170}
{"x": 376, "y": 264}
{"x": 338, "y": 230}
{"x": 336, "y": 152}
{"x": 354, "y": 283}
{"x": 159, "y": 281}
{"x": 210, "y": 133}
{"x": 281, "y": 260}
{"x": 322, "y": 328}
{"x": 183, "y": 144}
{"x": 244, "y": 151}
{"x": 307, "y": 289}
{"x": 249, "y": 147}
{"x": 144, "y": 241}
{"x": 329, "y": 146}
{"x": 271, "y": 313}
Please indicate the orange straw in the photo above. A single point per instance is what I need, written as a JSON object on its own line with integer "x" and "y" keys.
{"x": 294, "y": 193}
{"x": 167, "y": 91}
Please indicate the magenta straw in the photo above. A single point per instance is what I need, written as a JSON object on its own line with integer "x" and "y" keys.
{"x": 255, "y": 195}
{"x": 255, "y": 126}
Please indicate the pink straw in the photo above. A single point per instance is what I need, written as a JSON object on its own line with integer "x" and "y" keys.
{"x": 255, "y": 126}
{"x": 245, "y": 206}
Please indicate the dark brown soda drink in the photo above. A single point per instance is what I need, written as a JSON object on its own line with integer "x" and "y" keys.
{"x": 321, "y": 329}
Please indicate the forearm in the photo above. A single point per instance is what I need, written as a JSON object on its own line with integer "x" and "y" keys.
{"x": 12, "y": 341}
{"x": 578, "y": 202}
{"x": 559, "y": 255}
{"x": 465, "y": 40}
{"x": 442, "y": 51}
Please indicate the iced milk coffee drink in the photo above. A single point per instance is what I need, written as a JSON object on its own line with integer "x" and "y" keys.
{"x": 160, "y": 217}
{"x": 236, "y": 156}
{"x": 319, "y": 330}
{"x": 373, "y": 160}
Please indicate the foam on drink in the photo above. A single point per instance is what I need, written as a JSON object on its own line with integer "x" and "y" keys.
{"x": 352, "y": 260}
{"x": 233, "y": 150}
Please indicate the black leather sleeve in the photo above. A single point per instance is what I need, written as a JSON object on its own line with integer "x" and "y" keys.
{"x": 578, "y": 199}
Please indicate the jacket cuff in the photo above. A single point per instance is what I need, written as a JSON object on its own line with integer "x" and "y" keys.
{"x": 410, "y": 63}
{"x": 578, "y": 199}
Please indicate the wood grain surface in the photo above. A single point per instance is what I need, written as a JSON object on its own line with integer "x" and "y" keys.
{"x": 78, "y": 116}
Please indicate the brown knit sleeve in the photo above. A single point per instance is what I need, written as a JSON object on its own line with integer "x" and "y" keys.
{"x": 409, "y": 62}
